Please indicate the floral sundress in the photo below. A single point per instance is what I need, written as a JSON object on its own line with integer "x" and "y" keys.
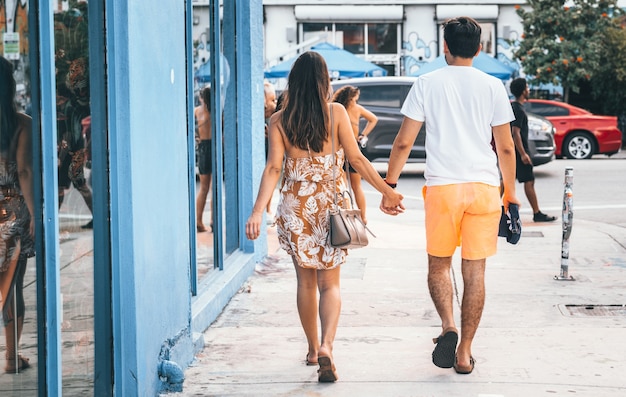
{"x": 306, "y": 194}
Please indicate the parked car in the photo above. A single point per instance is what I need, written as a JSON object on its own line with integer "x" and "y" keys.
{"x": 579, "y": 134}
{"x": 384, "y": 97}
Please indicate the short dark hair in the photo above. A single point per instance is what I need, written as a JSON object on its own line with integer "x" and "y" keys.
{"x": 462, "y": 35}
{"x": 205, "y": 93}
{"x": 518, "y": 86}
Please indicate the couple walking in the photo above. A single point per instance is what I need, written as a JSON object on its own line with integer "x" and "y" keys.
{"x": 462, "y": 109}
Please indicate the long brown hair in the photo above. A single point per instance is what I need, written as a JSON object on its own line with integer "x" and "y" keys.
{"x": 8, "y": 107}
{"x": 305, "y": 111}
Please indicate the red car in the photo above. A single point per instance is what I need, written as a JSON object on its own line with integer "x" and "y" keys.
{"x": 579, "y": 133}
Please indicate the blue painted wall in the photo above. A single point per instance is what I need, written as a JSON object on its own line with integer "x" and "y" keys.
{"x": 150, "y": 195}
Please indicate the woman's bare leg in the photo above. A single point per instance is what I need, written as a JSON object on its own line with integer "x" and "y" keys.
{"x": 330, "y": 307}
{"x": 306, "y": 298}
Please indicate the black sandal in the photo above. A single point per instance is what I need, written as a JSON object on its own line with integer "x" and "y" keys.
{"x": 445, "y": 352}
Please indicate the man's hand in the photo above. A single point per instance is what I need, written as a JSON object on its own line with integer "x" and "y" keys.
{"x": 391, "y": 204}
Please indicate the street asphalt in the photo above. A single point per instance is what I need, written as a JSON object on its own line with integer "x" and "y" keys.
{"x": 539, "y": 336}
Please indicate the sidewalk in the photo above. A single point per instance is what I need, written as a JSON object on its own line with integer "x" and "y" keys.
{"x": 538, "y": 336}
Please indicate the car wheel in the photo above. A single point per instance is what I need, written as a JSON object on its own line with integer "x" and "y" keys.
{"x": 578, "y": 145}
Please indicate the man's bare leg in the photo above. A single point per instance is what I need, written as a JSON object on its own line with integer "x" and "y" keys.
{"x": 440, "y": 287}
{"x": 472, "y": 307}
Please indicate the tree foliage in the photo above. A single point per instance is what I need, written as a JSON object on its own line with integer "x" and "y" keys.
{"x": 609, "y": 82}
{"x": 566, "y": 44}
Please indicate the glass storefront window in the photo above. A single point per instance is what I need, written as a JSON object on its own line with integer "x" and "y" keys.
{"x": 18, "y": 277}
{"x": 382, "y": 38}
{"x": 71, "y": 44}
{"x": 319, "y": 30}
{"x": 353, "y": 37}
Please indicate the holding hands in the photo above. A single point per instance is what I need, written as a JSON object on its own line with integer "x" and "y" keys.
{"x": 391, "y": 203}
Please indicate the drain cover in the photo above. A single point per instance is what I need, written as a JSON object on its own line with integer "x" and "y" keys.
{"x": 532, "y": 233}
{"x": 593, "y": 310}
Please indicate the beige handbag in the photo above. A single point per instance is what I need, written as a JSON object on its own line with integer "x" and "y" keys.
{"x": 346, "y": 227}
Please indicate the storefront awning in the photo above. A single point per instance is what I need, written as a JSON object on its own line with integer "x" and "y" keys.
{"x": 390, "y": 13}
{"x": 478, "y": 12}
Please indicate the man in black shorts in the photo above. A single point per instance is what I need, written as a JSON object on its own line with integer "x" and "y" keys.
{"x": 519, "y": 128}
{"x": 202, "y": 113}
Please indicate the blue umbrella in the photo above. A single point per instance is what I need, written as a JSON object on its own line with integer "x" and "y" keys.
{"x": 203, "y": 74}
{"x": 341, "y": 64}
{"x": 482, "y": 61}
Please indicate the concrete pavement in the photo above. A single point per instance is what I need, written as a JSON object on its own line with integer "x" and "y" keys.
{"x": 538, "y": 336}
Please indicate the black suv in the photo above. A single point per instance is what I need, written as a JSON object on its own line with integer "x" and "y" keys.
{"x": 384, "y": 97}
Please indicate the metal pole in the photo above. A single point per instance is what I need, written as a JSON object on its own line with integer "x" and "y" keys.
{"x": 567, "y": 217}
{"x": 15, "y": 329}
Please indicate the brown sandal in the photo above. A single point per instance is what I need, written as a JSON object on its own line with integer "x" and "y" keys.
{"x": 10, "y": 367}
{"x": 309, "y": 362}
{"x": 464, "y": 370}
{"x": 327, "y": 372}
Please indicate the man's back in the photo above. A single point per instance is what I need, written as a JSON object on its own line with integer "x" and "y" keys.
{"x": 459, "y": 105}
{"x": 203, "y": 120}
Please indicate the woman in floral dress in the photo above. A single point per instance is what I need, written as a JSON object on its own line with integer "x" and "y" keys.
{"x": 311, "y": 136}
{"x": 16, "y": 207}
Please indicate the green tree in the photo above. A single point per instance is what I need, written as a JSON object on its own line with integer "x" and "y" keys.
{"x": 565, "y": 44}
{"x": 609, "y": 82}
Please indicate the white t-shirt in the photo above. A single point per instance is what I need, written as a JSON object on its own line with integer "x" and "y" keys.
{"x": 459, "y": 105}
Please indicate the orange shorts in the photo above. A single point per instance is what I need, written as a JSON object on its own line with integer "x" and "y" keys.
{"x": 467, "y": 213}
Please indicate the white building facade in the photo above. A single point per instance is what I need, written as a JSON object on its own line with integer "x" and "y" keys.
{"x": 400, "y": 36}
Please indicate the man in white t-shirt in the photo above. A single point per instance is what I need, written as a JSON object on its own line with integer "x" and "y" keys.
{"x": 462, "y": 108}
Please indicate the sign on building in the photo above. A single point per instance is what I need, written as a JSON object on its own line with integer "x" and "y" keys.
{"x": 11, "y": 44}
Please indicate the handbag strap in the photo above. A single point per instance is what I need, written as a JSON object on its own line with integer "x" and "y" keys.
{"x": 345, "y": 163}
{"x": 332, "y": 142}
{"x": 332, "y": 137}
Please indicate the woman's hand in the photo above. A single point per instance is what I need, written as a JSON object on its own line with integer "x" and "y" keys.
{"x": 253, "y": 226}
{"x": 391, "y": 204}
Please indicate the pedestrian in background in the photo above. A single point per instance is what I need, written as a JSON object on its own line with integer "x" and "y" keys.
{"x": 524, "y": 164}
{"x": 461, "y": 108}
{"x": 311, "y": 135}
{"x": 202, "y": 113}
{"x": 348, "y": 97}
{"x": 17, "y": 225}
{"x": 270, "y": 107}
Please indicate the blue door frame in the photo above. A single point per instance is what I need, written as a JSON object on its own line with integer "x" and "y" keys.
{"x": 49, "y": 304}
{"x": 111, "y": 372}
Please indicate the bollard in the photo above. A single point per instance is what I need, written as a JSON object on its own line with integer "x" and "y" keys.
{"x": 567, "y": 217}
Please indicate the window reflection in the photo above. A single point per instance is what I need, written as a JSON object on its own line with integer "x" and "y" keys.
{"x": 382, "y": 38}
{"x": 203, "y": 152}
{"x": 75, "y": 196}
{"x": 18, "y": 292}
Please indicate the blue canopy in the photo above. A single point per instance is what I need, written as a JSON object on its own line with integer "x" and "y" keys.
{"x": 203, "y": 74}
{"x": 482, "y": 61}
{"x": 341, "y": 64}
